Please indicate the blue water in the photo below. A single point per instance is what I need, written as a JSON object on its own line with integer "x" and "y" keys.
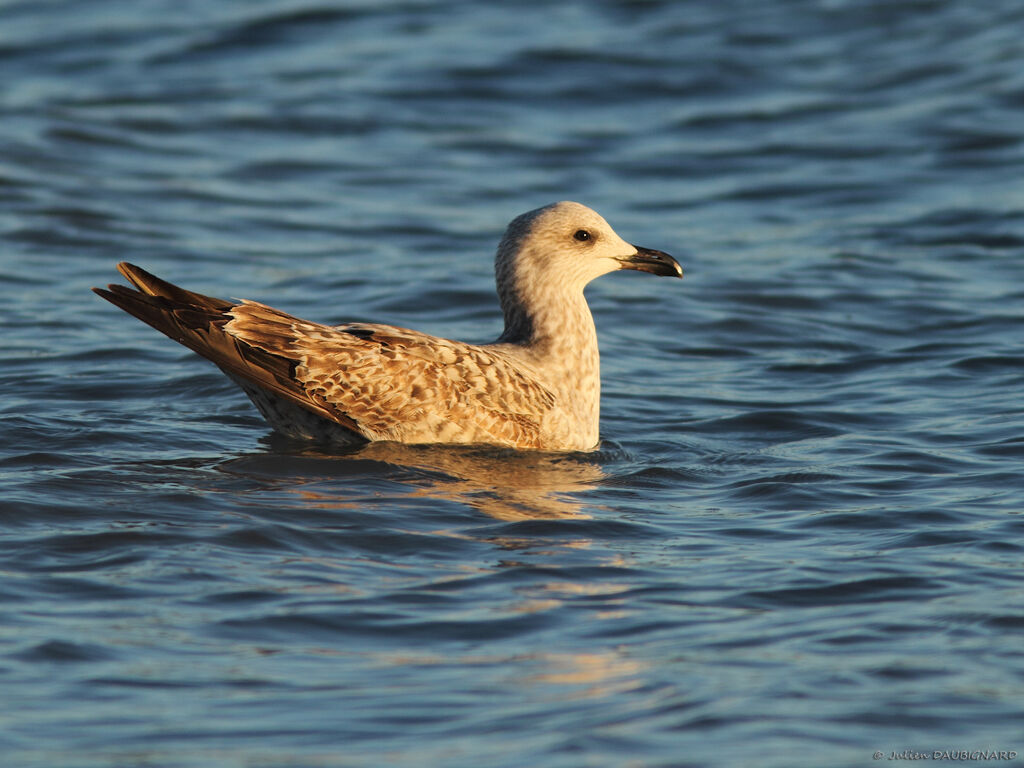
{"x": 801, "y": 540}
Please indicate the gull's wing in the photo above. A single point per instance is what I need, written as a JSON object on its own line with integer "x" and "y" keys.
{"x": 377, "y": 381}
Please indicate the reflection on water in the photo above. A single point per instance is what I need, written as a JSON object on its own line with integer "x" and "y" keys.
{"x": 589, "y": 675}
{"x": 505, "y": 485}
{"x": 557, "y": 675}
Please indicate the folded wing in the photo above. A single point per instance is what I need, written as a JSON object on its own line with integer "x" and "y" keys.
{"x": 376, "y": 382}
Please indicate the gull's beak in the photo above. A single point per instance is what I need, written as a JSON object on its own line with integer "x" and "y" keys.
{"x": 655, "y": 262}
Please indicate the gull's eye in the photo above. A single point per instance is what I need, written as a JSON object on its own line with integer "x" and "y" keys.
{"x": 582, "y": 235}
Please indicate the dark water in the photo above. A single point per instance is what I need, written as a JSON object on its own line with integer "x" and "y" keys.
{"x": 801, "y": 540}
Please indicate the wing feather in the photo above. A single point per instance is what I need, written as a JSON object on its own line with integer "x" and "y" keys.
{"x": 380, "y": 382}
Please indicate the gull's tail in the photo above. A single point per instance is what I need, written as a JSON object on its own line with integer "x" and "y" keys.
{"x": 197, "y": 322}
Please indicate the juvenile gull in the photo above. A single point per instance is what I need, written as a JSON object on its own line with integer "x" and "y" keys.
{"x": 537, "y": 387}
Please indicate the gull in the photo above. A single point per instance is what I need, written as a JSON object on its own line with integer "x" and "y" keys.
{"x": 537, "y": 387}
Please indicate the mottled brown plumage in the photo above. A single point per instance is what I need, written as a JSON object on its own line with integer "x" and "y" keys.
{"x": 537, "y": 387}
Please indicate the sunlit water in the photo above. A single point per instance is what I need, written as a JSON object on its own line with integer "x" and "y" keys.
{"x": 801, "y": 538}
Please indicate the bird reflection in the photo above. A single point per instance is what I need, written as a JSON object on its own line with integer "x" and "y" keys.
{"x": 505, "y": 484}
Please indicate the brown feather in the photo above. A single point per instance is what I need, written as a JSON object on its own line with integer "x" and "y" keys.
{"x": 346, "y": 375}
{"x": 197, "y": 321}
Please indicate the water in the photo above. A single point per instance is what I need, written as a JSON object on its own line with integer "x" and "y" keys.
{"x": 801, "y": 538}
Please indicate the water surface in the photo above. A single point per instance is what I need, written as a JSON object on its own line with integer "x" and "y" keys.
{"x": 800, "y": 540}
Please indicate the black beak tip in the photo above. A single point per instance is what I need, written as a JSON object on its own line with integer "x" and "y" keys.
{"x": 654, "y": 262}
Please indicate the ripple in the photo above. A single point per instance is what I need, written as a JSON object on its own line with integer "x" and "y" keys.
{"x": 894, "y": 588}
{"x": 61, "y": 651}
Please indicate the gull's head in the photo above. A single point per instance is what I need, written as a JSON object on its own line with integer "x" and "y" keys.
{"x": 571, "y": 244}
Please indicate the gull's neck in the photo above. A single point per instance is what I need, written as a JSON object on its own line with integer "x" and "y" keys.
{"x": 549, "y": 322}
{"x": 548, "y": 316}
{"x": 552, "y": 329}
